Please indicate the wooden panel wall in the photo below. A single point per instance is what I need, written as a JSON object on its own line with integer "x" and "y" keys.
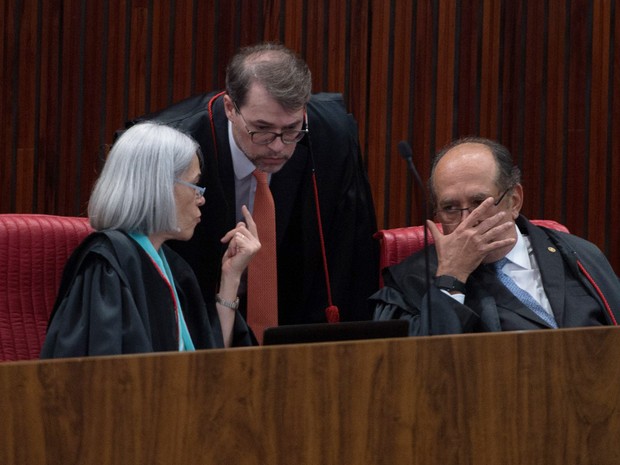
{"x": 542, "y": 77}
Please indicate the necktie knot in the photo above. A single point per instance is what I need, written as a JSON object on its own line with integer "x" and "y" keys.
{"x": 261, "y": 176}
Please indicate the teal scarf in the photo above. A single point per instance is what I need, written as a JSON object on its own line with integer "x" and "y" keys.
{"x": 159, "y": 259}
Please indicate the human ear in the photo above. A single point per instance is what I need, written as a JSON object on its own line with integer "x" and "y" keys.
{"x": 516, "y": 200}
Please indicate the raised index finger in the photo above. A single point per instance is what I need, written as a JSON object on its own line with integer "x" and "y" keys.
{"x": 249, "y": 221}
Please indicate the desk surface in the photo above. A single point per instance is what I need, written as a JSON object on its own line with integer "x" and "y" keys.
{"x": 543, "y": 397}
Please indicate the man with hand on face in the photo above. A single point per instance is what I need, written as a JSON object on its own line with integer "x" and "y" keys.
{"x": 268, "y": 120}
{"x": 493, "y": 269}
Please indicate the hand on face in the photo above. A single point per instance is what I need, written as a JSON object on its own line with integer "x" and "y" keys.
{"x": 485, "y": 235}
{"x": 243, "y": 244}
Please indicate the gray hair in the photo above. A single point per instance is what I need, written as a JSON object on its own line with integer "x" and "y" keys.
{"x": 508, "y": 174}
{"x": 135, "y": 191}
{"x": 284, "y": 74}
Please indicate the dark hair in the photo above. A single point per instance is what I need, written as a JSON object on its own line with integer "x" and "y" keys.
{"x": 508, "y": 174}
{"x": 283, "y": 73}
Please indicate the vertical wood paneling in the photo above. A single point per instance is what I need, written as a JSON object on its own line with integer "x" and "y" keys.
{"x": 531, "y": 117}
{"x": 69, "y": 101}
{"x": 378, "y": 106}
{"x": 398, "y": 92}
{"x": 356, "y": 90}
{"x": 24, "y": 81}
{"x": 554, "y": 168}
{"x": 598, "y": 134}
{"x": 7, "y": 127}
{"x": 467, "y": 69}
{"x": 207, "y": 46}
{"x": 293, "y": 27}
{"x": 92, "y": 96}
{"x": 116, "y": 68}
{"x": 446, "y": 68}
{"x": 576, "y": 177}
{"x": 335, "y": 52}
{"x": 313, "y": 40}
{"x": 612, "y": 223}
{"x": 491, "y": 72}
{"x": 50, "y": 102}
{"x": 538, "y": 76}
{"x": 138, "y": 59}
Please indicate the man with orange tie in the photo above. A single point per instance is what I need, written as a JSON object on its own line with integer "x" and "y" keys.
{"x": 267, "y": 130}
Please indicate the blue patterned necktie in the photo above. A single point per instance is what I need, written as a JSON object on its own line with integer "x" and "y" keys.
{"x": 522, "y": 295}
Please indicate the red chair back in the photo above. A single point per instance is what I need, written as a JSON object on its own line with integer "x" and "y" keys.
{"x": 33, "y": 253}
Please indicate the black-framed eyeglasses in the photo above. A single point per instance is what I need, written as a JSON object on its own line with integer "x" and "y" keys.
{"x": 200, "y": 191}
{"x": 288, "y": 136}
{"x": 451, "y": 214}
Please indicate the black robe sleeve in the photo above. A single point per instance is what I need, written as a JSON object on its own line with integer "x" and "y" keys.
{"x": 97, "y": 316}
{"x": 429, "y": 311}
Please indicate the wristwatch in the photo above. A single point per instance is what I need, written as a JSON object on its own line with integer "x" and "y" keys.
{"x": 449, "y": 283}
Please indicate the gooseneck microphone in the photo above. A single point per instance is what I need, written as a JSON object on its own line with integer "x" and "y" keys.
{"x": 405, "y": 151}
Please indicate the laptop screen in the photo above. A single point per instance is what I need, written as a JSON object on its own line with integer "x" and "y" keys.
{"x": 327, "y": 332}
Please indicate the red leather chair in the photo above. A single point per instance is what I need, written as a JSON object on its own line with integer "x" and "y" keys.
{"x": 33, "y": 253}
{"x": 398, "y": 243}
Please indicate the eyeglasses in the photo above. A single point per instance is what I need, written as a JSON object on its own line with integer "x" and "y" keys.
{"x": 289, "y": 136}
{"x": 452, "y": 215}
{"x": 200, "y": 191}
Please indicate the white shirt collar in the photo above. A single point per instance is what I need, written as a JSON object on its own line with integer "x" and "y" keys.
{"x": 520, "y": 255}
{"x": 242, "y": 166}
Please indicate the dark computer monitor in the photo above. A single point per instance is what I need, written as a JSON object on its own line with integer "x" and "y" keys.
{"x": 326, "y": 332}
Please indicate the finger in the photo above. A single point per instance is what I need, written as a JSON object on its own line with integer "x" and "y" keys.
{"x": 497, "y": 245}
{"x": 498, "y": 237}
{"x": 479, "y": 214}
{"x": 249, "y": 221}
{"x": 496, "y": 224}
{"x": 435, "y": 232}
{"x": 237, "y": 232}
{"x": 228, "y": 236}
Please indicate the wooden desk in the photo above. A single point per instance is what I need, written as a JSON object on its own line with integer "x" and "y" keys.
{"x": 549, "y": 397}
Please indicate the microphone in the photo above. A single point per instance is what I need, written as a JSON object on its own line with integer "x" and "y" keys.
{"x": 407, "y": 153}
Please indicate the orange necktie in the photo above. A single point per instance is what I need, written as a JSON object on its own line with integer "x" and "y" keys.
{"x": 262, "y": 271}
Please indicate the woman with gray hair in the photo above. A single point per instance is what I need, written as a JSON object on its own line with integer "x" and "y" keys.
{"x": 123, "y": 290}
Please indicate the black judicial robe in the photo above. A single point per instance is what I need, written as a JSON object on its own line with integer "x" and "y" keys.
{"x": 569, "y": 266}
{"x": 347, "y": 211}
{"x": 112, "y": 300}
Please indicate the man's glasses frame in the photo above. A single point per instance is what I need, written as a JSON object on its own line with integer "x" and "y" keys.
{"x": 288, "y": 137}
{"x": 200, "y": 191}
{"x": 453, "y": 215}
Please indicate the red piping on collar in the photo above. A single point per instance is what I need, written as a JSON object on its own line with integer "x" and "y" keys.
{"x": 172, "y": 295}
{"x": 599, "y": 292}
{"x": 210, "y": 110}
